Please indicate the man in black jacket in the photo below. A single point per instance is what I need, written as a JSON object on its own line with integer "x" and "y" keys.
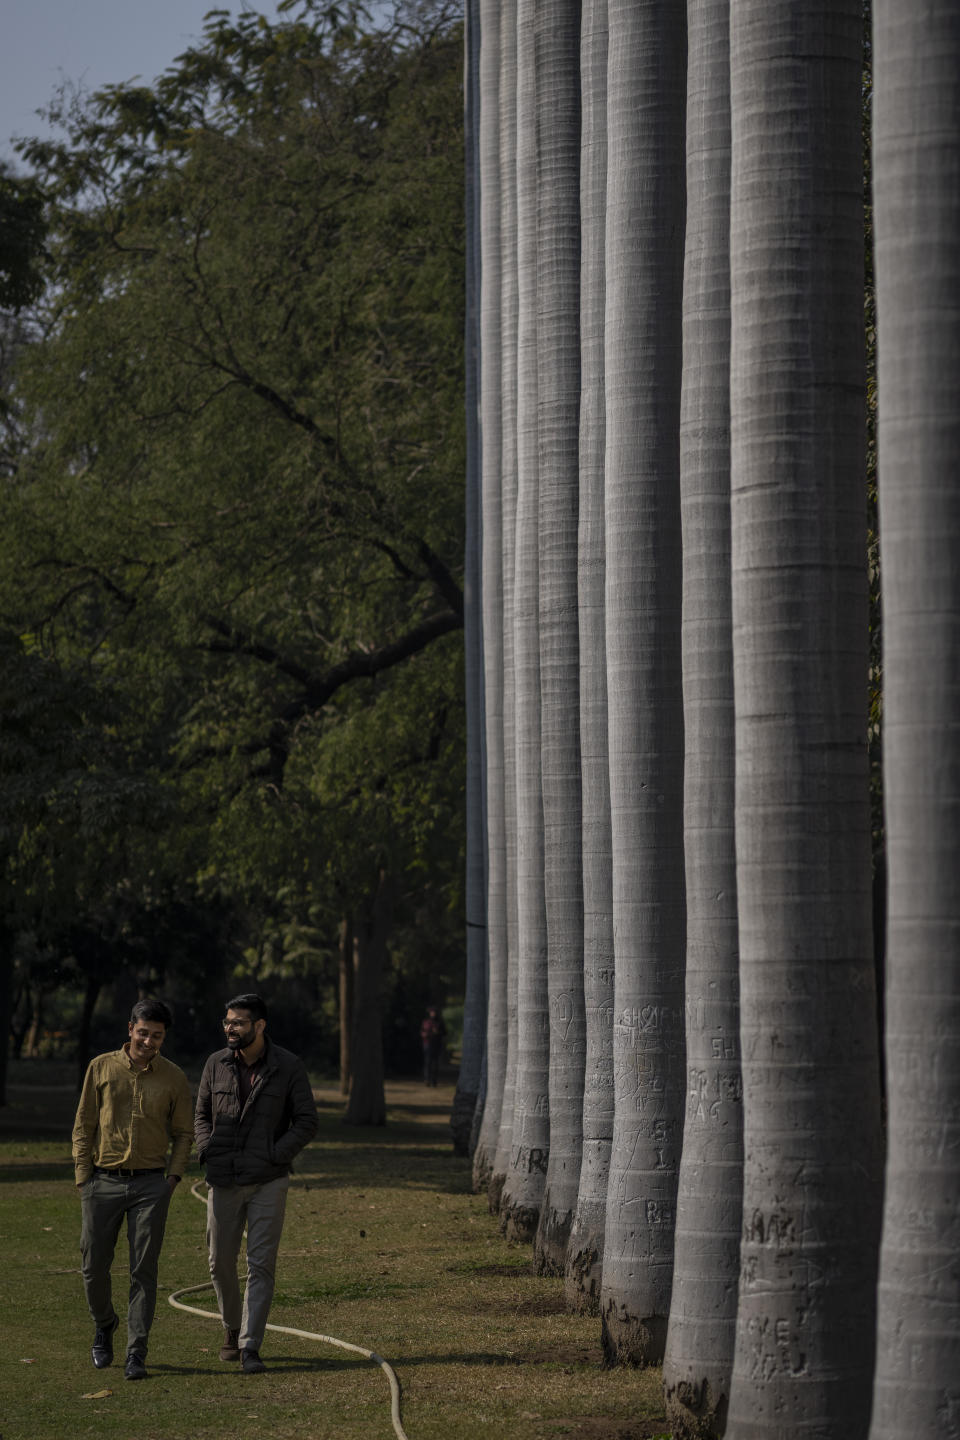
{"x": 255, "y": 1113}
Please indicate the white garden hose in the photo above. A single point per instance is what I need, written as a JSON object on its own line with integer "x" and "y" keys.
{"x": 385, "y": 1365}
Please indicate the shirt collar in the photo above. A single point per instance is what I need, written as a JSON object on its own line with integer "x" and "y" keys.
{"x": 125, "y": 1054}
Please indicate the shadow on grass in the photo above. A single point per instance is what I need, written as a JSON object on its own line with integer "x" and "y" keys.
{"x": 434, "y": 1110}
{"x": 52, "y": 1170}
{"x": 281, "y": 1363}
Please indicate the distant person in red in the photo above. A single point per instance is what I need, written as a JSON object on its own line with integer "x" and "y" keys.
{"x": 433, "y": 1033}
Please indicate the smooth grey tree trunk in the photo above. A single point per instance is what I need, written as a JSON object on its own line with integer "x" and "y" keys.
{"x": 916, "y": 170}
{"x": 508, "y": 481}
{"x": 491, "y": 572}
{"x": 585, "y": 1251}
{"x": 644, "y": 264}
{"x": 475, "y": 984}
{"x": 523, "y": 1190}
{"x": 557, "y": 60}
{"x": 805, "y": 1328}
{"x": 698, "y": 1363}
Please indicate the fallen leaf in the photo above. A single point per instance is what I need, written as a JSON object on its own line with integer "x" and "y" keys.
{"x": 26, "y": 1362}
{"x": 96, "y": 1395}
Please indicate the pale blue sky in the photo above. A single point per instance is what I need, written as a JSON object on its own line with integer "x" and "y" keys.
{"x": 92, "y": 42}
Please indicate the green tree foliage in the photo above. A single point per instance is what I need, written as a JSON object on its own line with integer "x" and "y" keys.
{"x": 241, "y": 502}
{"x": 22, "y": 232}
{"x": 70, "y": 807}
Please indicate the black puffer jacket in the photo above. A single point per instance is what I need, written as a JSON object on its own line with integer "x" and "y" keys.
{"x": 257, "y": 1143}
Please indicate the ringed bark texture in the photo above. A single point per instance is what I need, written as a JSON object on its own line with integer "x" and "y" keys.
{"x": 526, "y": 1173}
{"x": 475, "y": 996}
{"x": 644, "y": 263}
{"x": 585, "y": 1251}
{"x": 508, "y": 482}
{"x": 557, "y": 58}
{"x": 916, "y": 160}
{"x": 699, "y": 1360}
{"x": 491, "y": 571}
{"x": 805, "y": 1327}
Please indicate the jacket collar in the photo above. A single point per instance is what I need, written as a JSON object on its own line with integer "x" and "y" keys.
{"x": 266, "y": 1059}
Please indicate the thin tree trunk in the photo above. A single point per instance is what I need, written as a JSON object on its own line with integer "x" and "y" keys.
{"x": 703, "y": 1309}
{"x": 91, "y": 993}
{"x": 367, "y": 1104}
{"x": 805, "y": 1326}
{"x": 346, "y": 961}
{"x": 31, "y": 1044}
{"x": 523, "y": 1188}
{"x": 475, "y": 989}
{"x": 916, "y": 171}
{"x": 644, "y": 264}
{"x": 585, "y": 1252}
{"x": 557, "y": 184}
{"x": 508, "y": 481}
{"x": 6, "y": 1004}
{"x": 491, "y": 581}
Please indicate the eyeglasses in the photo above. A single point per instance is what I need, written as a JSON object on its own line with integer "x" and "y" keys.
{"x": 234, "y": 1025}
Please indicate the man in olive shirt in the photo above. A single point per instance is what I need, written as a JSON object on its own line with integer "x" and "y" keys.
{"x": 132, "y": 1106}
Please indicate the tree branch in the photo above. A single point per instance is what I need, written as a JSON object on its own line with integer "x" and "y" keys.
{"x": 317, "y": 690}
{"x": 363, "y": 664}
{"x": 235, "y": 642}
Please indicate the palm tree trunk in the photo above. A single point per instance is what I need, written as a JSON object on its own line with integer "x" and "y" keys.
{"x": 805, "y": 1327}
{"x": 644, "y": 255}
{"x": 916, "y": 171}
{"x": 557, "y": 161}
{"x": 526, "y": 1173}
{"x": 475, "y": 987}
{"x": 488, "y": 39}
{"x": 700, "y": 1336}
{"x": 508, "y": 481}
{"x": 585, "y": 1250}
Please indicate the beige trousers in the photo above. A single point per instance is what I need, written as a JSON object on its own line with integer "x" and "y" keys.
{"x": 260, "y": 1210}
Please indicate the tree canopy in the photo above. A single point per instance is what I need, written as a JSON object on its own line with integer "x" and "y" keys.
{"x": 235, "y": 497}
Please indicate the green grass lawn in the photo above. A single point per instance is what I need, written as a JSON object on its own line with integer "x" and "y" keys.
{"x": 384, "y": 1246}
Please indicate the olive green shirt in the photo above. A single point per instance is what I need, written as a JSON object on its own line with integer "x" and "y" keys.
{"x": 128, "y": 1117}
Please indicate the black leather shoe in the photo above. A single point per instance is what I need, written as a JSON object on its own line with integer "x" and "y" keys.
{"x": 135, "y": 1368}
{"x": 251, "y": 1362}
{"x": 102, "y": 1349}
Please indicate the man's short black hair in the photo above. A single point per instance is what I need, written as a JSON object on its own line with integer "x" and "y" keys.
{"x": 256, "y": 1006}
{"x": 153, "y": 1010}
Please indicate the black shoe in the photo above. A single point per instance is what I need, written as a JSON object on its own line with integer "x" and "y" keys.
{"x": 230, "y": 1349}
{"x": 135, "y": 1368}
{"x": 251, "y": 1362}
{"x": 102, "y": 1350}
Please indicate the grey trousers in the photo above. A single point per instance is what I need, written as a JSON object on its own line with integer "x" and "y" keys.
{"x": 261, "y": 1209}
{"x": 105, "y": 1201}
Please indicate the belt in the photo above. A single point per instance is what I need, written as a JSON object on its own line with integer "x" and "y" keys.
{"x": 127, "y": 1174}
